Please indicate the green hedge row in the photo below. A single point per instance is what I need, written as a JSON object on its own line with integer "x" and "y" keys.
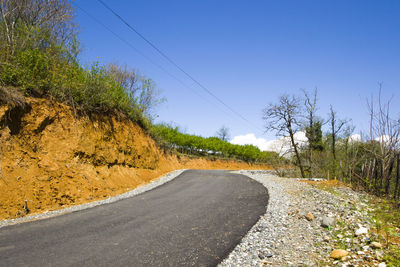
{"x": 193, "y": 144}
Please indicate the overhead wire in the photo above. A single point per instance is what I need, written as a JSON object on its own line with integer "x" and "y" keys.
{"x": 177, "y": 66}
{"x": 148, "y": 58}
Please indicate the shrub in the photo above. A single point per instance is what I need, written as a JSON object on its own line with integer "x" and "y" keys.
{"x": 171, "y": 137}
{"x": 39, "y": 56}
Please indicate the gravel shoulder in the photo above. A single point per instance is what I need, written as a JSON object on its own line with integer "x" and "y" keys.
{"x": 306, "y": 226}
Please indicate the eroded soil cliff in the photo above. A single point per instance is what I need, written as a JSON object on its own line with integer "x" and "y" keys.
{"x": 50, "y": 158}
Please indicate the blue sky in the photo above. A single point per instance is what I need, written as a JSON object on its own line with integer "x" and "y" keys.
{"x": 250, "y": 52}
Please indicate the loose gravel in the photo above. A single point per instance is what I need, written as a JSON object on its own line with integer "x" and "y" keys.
{"x": 290, "y": 233}
{"x": 166, "y": 178}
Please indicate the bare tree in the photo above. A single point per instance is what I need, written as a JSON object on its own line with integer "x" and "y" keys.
{"x": 284, "y": 118}
{"x": 223, "y": 133}
{"x": 386, "y": 132}
{"x": 310, "y": 103}
{"x": 35, "y": 22}
{"x": 126, "y": 78}
{"x": 141, "y": 90}
{"x": 337, "y": 127}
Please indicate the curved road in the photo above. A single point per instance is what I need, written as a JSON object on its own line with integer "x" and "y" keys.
{"x": 194, "y": 220}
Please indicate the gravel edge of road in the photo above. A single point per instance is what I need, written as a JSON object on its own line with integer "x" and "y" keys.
{"x": 139, "y": 190}
{"x": 307, "y": 224}
{"x": 258, "y": 239}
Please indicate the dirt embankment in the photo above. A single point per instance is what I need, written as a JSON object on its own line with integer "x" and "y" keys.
{"x": 50, "y": 159}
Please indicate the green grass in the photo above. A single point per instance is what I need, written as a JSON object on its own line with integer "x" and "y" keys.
{"x": 386, "y": 217}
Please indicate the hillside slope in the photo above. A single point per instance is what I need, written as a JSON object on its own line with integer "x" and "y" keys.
{"x": 51, "y": 159}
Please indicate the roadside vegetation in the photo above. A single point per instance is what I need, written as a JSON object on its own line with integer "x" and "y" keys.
{"x": 39, "y": 50}
{"x": 172, "y": 138}
{"x": 368, "y": 161}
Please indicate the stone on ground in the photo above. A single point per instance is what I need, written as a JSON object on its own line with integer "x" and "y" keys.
{"x": 361, "y": 231}
{"x": 339, "y": 253}
{"x": 309, "y": 216}
{"x": 376, "y": 245}
{"x": 327, "y": 221}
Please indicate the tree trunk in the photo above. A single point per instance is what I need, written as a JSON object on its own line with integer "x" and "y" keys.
{"x": 341, "y": 171}
{"x": 396, "y": 188}
{"x": 371, "y": 175}
{"x": 311, "y": 162}
{"x": 296, "y": 153}
{"x": 381, "y": 177}
{"x": 350, "y": 176}
{"x": 389, "y": 177}
{"x": 375, "y": 171}
{"x": 362, "y": 175}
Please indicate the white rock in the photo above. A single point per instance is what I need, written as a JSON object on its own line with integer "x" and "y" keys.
{"x": 376, "y": 245}
{"x": 382, "y": 264}
{"x": 327, "y": 221}
{"x": 361, "y": 231}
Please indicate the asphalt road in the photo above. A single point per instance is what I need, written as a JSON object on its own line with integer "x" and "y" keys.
{"x": 194, "y": 220}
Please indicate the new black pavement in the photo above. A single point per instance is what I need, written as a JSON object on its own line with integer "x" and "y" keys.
{"x": 194, "y": 220}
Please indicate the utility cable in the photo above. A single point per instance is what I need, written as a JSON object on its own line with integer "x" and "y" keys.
{"x": 176, "y": 65}
{"x": 149, "y": 59}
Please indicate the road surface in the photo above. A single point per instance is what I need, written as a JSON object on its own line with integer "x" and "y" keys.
{"x": 194, "y": 220}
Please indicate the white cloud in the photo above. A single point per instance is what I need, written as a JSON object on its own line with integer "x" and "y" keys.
{"x": 281, "y": 146}
{"x": 250, "y": 139}
{"x": 388, "y": 140}
{"x": 383, "y": 139}
{"x": 355, "y": 138}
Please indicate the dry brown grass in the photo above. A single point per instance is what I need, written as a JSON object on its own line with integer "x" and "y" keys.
{"x": 12, "y": 97}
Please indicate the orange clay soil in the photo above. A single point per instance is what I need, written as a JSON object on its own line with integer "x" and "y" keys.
{"x": 49, "y": 159}
{"x": 325, "y": 184}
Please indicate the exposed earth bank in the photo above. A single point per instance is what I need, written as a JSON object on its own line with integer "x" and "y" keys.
{"x": 50, "y": 158}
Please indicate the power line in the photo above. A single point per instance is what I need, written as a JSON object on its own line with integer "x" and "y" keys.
{"x": 148, "y": 58}
{"x": 176, "y": 65}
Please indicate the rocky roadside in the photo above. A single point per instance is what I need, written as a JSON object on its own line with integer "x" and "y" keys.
{"x": 307, "y": 226}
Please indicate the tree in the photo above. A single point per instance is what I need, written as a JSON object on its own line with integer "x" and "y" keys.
{"x": 223, "y": 133}
{"x": 141, "y": 90}
{"x": 36, "y": 24}
{"x": 385, "y": 131}
{"x": 284, "y": 118}
{"x": 337, "y": 127}
{"x": 149, "y": 97}
{"x": 313, "y": 127}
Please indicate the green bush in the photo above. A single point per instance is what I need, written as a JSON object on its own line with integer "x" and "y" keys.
{"x": 171, "y": 137}
{"x": 41, "y": 61}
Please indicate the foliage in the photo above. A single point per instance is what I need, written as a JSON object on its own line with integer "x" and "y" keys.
{"x": 314, "y": 133}
{"x": 140, "y": 89}
{"x": 372, "y": 165}
{"x": 37, "y": 24}
{"x": 38, "y": 55}
{"x": 387, "y": 225}
{"x": 171, "y": 137}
